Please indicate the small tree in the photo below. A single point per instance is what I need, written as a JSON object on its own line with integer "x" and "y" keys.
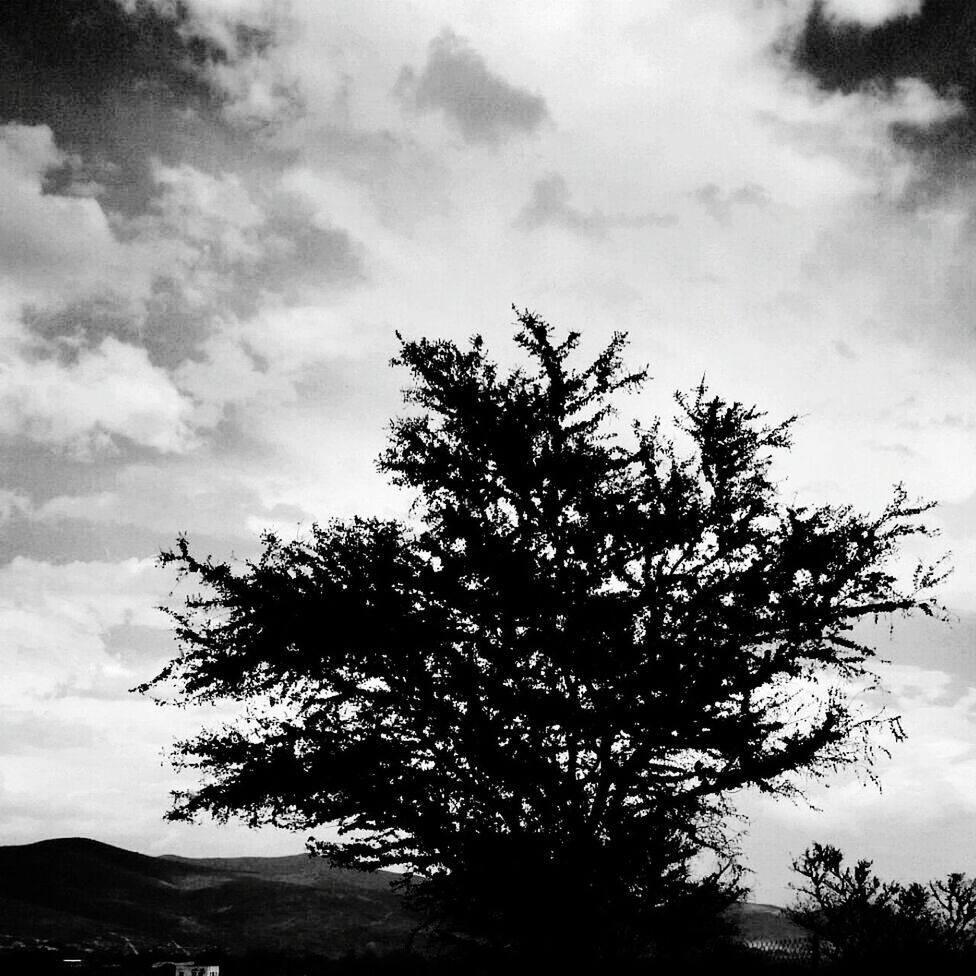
{"x": 955, "y": 898}
{"x": 539, "y": 695}
{"x": 870, "y": 921}
{"x": 853, "y": 909}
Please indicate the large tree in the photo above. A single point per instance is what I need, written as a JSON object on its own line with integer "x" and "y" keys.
{"x": 540, "y": 691}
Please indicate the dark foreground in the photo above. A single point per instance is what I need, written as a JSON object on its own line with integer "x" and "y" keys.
{"x": 790, "y": 960}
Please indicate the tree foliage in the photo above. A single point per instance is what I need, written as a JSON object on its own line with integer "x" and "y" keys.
{"x": 867, "y": 920}
{"x": 540, "y": 691}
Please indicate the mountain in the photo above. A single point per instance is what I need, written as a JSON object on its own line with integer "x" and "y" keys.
{"x": 76, "y": 890}
{"x": 767, "y": 923}
{"x": 79, "y": 891}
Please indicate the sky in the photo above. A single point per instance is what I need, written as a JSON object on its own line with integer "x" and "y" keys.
{"x": 216, "y": 214}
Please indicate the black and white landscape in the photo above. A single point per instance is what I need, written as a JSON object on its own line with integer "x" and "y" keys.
{"x": 216, "y": 216}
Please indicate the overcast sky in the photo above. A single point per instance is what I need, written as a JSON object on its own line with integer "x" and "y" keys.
{"x": 212, "y": 221}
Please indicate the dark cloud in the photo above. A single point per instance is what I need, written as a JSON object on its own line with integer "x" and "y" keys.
{"x": 130, "y": 506}
{"x": 67, "y": 540}
{"x": 720, "y": 206}
{"x": 83, "y": 324}
{"x": 80, "y": 177}
{"x": 134, "y": 96}
{"x": 196, "y": 496}
{"x": 550, "y": 205}
{"x": 92, "y": 46}
{"x": 120, "y": 84}
{"x": 41, "y": 473}
{"x": 289, "y": 256}
{"x": 170, "y": 328}
{"x": 110, "y": 81}
{"x": 485, "y": 107}
{"x": 937, "y": 45}
{"x": 298, "y": 254}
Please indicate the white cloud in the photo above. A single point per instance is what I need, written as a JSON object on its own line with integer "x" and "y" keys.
{"x": 198, "y": 495}
{"x": 227, "y": 373}
{"x": 27, "y": 151}
{"x": 110, "y": 392}
{"x": 53, "y": 620}
{"x": 206, "y": 211}
{"x": 257, "y": 94}
{"x": 871, "y": 13}
{"x": 48, "y": 243}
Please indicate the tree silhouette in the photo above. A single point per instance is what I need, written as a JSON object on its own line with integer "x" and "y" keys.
{"x": 539, "y": 693}
{"x": 868, "y": 921}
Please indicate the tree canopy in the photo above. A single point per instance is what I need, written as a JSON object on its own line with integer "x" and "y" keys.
{"x": 540, "y": 691}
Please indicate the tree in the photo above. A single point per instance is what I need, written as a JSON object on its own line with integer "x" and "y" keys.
{"x": 540, "y": 692}
{"x": 867, "y": 920}
{"x": 853, "y": 909}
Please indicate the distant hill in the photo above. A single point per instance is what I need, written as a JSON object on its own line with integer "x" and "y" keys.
{"x": 766, "y": 923}
{"x": 300, "y": 869}
{"x": 78, "y": 890}
{"x": 75, "y": 891}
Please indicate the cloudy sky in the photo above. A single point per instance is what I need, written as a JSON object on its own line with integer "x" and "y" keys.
{"x": 215, "y": 214}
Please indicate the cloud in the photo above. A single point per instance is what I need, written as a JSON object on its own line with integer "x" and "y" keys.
{"x": 720, "y": 206}
{"x": 205, "y": 247}
{"x": 40, "y": 730}
{"x": 95, "y": 46}
{"x": 150, "y": 348}
{"x": 931, "y": 43}
{"x": 483, "y": 106}
{"x": 214, "y": 212}
{"x": 243, "y": 241}
{"x": 871, "y": 13}
{"x": 49, "y": 244}
{"x": 909, "y": 275}
{"x": 115, "y": 81}
{"x": 54, "y": 618}
{"x": 257, "y": 97}
{"x": 12, "y": 504}
{"x": 110, "y": 392}
{"x": 301, "y": 254}
{"x": 550, "y": 205}
{"x": 933, "y": 774}
{"x": 196, "y": 496}
{"x": 235, "y": 247}
{"x": 68, "y": 330}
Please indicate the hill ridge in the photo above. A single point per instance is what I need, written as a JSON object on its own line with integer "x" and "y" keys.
{"x": 78, "y": 890}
